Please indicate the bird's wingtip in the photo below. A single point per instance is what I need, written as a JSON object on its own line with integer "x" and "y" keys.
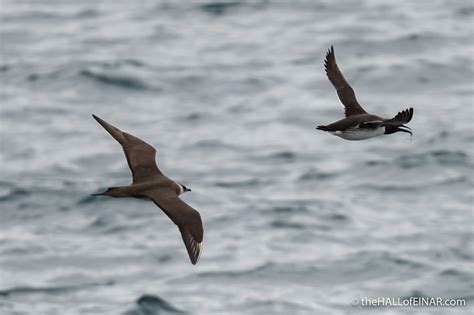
{"x": 96, "y": 118}
{"x": 330, "y": 54}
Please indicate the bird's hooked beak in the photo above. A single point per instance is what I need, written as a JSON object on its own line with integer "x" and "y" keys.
{"x": 405, "y": 129}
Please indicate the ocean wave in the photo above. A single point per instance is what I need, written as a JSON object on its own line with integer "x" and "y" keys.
{"x": 220, "y": 8}
{"x": 316, "y": 175}
{"x": 50, "y": 289}
{"x": 438, "y": 157}
{"x": 119, "y": 80}
{"x": 285, "y": 224}
{"x": 457, "y": 273}
{"x": 4, "y": 68}
{"x": 50, "y": 14}
{"x": 288, "y": 209}
{"x": 422, "y": 294}
{"x": 251, "y": 182}
{"x": 284, "y": 155}
{"x": 237, "y": 273}
{"x": 275, "y": 306}
{"x": 371, "y": 264}
{"x": 9, "y": 192}
{"x": 153, "y": 305}
{"x": 215, "y": 144}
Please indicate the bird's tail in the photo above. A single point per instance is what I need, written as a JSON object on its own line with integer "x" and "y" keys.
{"x": 401, "y": 118}
{"x": 323, "y": 128}
{"x": 115, "y": 192}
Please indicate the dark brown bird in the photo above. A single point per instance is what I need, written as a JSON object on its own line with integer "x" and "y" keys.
{"x": 149, "y": 182}
{"x": 358, "y": 124}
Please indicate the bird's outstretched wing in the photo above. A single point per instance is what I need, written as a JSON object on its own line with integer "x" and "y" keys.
{"x": 185, "y": 217}
{"x": 344, "y": 91}
{"x": 140, "y": 155}
{"x": 401, "y": 118}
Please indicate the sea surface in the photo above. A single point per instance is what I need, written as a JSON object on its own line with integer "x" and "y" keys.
{"x": 296, "y": 221}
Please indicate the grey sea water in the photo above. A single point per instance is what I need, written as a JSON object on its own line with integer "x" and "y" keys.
{"x": 296, "y": 221}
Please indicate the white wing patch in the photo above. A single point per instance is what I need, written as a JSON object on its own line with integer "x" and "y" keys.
{"x": 193, "y": 247}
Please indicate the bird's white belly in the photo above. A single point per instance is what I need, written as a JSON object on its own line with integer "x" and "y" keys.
{"x": 359, "y": 133}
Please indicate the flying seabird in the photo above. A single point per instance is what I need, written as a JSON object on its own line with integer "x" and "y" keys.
{"x": 150, "y": 183}
{"x": 358, "y": 124}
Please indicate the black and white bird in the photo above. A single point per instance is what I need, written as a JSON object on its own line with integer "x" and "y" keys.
{"x": 150, "y": 183}
{"x": 358, "y": 124}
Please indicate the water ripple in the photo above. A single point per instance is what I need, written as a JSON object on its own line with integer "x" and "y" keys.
{"x": 119, "y": 80}
{"x": 153, "y": 305}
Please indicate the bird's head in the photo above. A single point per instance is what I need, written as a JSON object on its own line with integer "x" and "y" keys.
{"x": 392, "y": 129}
{"x": 182, "y": 189}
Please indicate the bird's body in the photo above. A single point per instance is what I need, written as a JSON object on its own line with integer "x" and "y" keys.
{"x": 357, "y": 133}
{"x": 150, "y": 183}
{"x": 138, "y": 190}
{"x": 356, "y": 127}
{"x": 358, "y": 124}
